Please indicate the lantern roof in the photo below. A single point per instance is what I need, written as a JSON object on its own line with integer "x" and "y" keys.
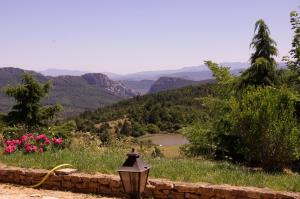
{"x": 133, "y": 163}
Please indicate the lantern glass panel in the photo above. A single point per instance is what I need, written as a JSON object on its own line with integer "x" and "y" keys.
{"x": 143, "y": 180}
{"x": 130, "y": 181}
{"x": 125, "y": 177}
{"x": 134, "y": 177}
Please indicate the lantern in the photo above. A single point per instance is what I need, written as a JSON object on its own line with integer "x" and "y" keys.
{"x": 134, "y": 174}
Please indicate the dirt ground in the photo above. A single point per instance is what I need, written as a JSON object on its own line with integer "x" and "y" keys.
{"x": 8, "y": 191}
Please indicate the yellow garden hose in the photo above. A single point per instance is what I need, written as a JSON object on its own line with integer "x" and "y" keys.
{"x": 48, "y": 174}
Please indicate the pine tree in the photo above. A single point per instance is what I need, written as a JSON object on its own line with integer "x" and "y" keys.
{"x": 264, "y": 46}
{"x": 262, "y": 71}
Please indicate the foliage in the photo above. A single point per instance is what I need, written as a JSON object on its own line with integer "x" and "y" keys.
{"x": 257, "y": 127}
{"x": 157, "y": 153}
{"x": 28, "y": 109}
{"x": 263, "y": 44}
{"x": 168, "y": 110}
{"x": 225, "y": 81}
{"x": 201, "y": 141}
{"x": 247, "y": 120}
{"x": 261, "y": 73}
{"x": 263, "y": 65}
{"x": 126, "y": 128}
{"x": 104, "y": 135}
{"x": 293, "y": 62}
{"x": 64, "y": 130}
{"x": 152, "y": 128}
{"x": 264, "y": 127}
{"x": 12, "y": 132}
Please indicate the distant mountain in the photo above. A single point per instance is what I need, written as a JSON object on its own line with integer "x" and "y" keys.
{"x": 75, "y": 93}
{"x": 59, "y": 72}
{"x": 142, "y": 86}
{"x": 195, "y": 73}
{"x": 169, "y": 83}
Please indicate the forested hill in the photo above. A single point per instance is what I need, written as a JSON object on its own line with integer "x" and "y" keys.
{"x": 167, "y": 110}
{"x": 75, "y": 93}
{"x": 169, "y": 83}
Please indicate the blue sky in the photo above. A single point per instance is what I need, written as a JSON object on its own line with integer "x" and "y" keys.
{"x": 124, "y": 36}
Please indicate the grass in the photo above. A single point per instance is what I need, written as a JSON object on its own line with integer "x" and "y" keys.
{"x": 189, "y": 170}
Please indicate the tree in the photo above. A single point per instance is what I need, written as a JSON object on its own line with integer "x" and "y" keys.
{"x": 28, "y": 109}
{"x": 293, "y": 62}
{"x": 262, "y": 71}
{"x": 262, "y": 43}
{"x": 291, "y": 75}
{"x": 126, "y": 128}
{"x": 264, "y": 123}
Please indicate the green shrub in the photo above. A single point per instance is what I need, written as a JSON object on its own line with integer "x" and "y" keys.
{"x": 258, "y": 128}
{"x": 104, "y": 135}
{"x": 12, "y": 132}
{"x": 156, "y": 153}
{"x": 65, "y": 130}
{"x": 264, "y": 123}
{"x": 152, "y": 128}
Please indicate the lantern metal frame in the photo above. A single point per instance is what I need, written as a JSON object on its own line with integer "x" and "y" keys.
{"x": 133, "y": 165}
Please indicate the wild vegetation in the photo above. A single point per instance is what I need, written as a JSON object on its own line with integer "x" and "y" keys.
{"x": 253, "y": 119}
{"x": 108, "y": 159}
{"x": 165, "y": 111}
{"x": 240, "y": 127}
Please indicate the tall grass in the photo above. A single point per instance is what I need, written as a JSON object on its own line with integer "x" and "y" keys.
{"x": 189, "y": 170}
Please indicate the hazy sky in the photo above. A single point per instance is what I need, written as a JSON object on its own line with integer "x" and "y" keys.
{"x": 125, "y": 36}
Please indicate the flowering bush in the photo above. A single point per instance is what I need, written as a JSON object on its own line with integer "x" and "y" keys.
{"x": 30, "y": 143}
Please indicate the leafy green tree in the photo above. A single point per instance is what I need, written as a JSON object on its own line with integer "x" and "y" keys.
{"x": 293, "y": 62}
{"x": 28, "y": 109}
{"x": 291, "y": 75}
{"x": 225, "y": 81}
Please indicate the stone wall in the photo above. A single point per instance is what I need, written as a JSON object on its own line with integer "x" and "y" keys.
{"x": 110, "y": 185}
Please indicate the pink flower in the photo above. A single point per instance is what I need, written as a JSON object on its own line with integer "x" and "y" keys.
{"x": 29, "y": 143}
{"x": 34, "y": 148}
{"x": 41, "y": 137}
{"x": 10, "y": 149}
{"x": 17, "y": 142}
{"x": 28, "y": 148}
{"x": 57, "y": 141}
{"x": 24, "y": 138}
{"x": 47, "y": 141}
{"x": 9, "y": 142}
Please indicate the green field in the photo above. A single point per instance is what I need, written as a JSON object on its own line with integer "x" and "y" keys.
{"x": 107, "y": 160}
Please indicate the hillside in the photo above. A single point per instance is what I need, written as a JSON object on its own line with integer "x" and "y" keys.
{"x": 75, "y": 93}
{"x": 169, "y": 83}
{"x": 167, "y": 110}
{"x": 142, "y": 86}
